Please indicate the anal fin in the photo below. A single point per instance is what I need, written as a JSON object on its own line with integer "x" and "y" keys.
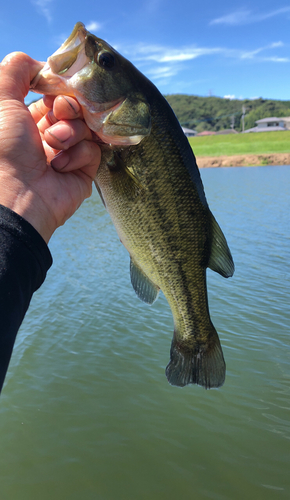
{"x": 220, "y": 260}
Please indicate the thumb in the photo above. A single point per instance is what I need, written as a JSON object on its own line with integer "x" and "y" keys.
{"x": 16, "y": 72}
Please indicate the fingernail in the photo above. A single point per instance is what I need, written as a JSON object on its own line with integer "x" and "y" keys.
{"x": 61, "y": 132}
{"x": 60, "y": 161}
{"x": 51, "y": 117}
{"x": 73, "y": 106}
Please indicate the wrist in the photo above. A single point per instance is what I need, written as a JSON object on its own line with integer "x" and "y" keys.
{"x": 21, "y": 200}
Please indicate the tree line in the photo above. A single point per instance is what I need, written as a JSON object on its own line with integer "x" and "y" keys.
{"x": 217, "y": 113}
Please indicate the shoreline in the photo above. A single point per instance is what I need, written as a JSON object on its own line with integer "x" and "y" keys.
{"x": 243, "y": 160}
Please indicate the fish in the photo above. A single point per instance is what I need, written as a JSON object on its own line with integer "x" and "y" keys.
{"x": 150, "y": 184}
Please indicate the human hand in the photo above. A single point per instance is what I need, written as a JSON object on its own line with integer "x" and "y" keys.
{"x": 48, "y": 157}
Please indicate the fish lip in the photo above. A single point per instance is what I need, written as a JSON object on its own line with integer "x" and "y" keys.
{"x": 73, "y": 47}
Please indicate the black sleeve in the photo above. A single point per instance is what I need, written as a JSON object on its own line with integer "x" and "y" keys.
{"x": 24, "y": 262}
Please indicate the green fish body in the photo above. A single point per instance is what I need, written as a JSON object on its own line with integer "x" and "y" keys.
{"x": 150, "y": 184}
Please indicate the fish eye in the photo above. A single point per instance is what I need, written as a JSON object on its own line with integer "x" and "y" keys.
{"x": 106, "y": 60}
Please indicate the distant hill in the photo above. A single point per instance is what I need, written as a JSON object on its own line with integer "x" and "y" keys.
{"x": 216, "y": 113}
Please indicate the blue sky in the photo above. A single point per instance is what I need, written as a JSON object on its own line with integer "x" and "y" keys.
{"x": 223, "y": 48}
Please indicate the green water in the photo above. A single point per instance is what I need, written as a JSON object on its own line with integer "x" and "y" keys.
{"x": 87, "y": 412}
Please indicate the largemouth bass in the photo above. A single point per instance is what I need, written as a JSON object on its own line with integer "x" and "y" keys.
{"x": 150, "y": 184}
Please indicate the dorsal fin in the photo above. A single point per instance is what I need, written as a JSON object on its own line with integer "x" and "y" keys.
{"x": 220, "y": 260}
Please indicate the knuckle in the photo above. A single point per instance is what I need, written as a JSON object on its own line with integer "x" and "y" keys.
{"x": 14, "y": 58}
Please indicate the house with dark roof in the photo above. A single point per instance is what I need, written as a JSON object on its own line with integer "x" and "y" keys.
{"x": 272, "y": 124}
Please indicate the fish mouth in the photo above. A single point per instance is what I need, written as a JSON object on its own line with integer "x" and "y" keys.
{"x": 63, "y": 64}
{"x": 71, "y": 71}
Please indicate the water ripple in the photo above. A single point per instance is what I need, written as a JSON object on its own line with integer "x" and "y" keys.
{"x": 87, "y": 411}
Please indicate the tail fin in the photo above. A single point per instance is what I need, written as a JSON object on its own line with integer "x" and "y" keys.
{"x": 202, "y": 364}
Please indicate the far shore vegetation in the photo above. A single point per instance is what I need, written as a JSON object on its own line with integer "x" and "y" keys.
{"x": 241, "y": 144}
{"x": 217, "y": 113}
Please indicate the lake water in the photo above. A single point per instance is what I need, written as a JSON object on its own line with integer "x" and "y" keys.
{"x": 87, "y": 413}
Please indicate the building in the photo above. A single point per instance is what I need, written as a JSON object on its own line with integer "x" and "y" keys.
{"x": 206, "y": 132}
{"x": 226, "y": 131}
{"x": 188, "y": 132}
{"x": 272, "y": 124}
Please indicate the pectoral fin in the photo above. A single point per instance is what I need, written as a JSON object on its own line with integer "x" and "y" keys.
{"x": 127, "y": 123}
{"x": 143, "y": 286}
{"x": 125, "y": 182}
{"x": 100, "y": 194}
{"x": 220, "y": 260}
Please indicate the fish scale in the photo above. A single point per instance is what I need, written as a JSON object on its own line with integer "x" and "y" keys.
{"x": 150, "y": 184}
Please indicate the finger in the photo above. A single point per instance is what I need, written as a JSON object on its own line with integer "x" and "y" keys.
{"x": 50, "y": 153}
{"x": 47, "y": 121}
{"x": 40, "y": 108}
{"x": 65, "y": 134}
{"x": 85, "y": 156}
{"x": 48, "y": 100}
{"x": 66, "y": 108}
{"x": 17, "y": 70}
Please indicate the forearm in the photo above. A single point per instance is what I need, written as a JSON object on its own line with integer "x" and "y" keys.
{"x": 48, "y": 161}
{"x": 24, "y": 262}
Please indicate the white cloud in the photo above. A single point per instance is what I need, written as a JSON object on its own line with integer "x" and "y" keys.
{"x": 93, "y": 26}
{"x": 239, "y": 17}
{"x": 273, "y": 13}
{"x": 177, "y": 57}
{"x": 165, "y": 55}
{"x": 229, "y": 96}
{"x": 247, "y": 17}
{"x": 162, "y": 72}
{"x": 277, "y": 59}
{"x": 186, "y": 55}
{"x": 43, "y": 8}
{"x": 163, "y": 63}
{"x": 251, "y": 54}
{"x": 143, "y": 55}
{"x": 276, "y": 44}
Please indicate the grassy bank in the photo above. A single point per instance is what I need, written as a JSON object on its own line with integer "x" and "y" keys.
{"x": 241, "y": 144}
